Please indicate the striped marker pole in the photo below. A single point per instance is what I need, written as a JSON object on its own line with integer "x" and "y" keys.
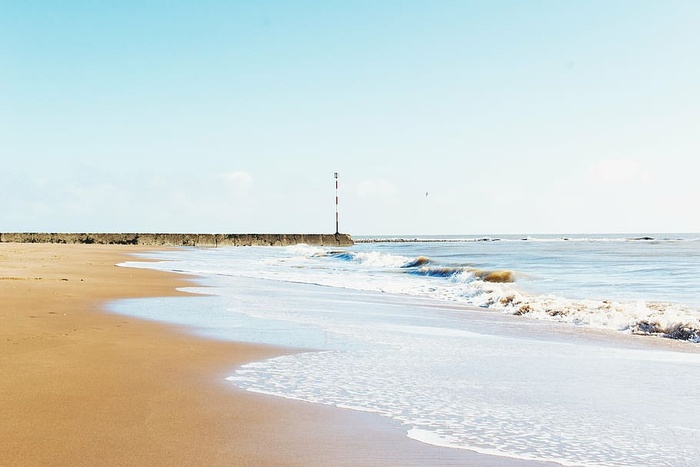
{"x": 336, "y": 204}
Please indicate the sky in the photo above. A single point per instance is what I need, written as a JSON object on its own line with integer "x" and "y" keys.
{"x": 440, "y": 117}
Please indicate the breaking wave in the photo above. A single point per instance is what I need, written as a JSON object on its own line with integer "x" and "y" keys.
{"x": 421, "y": 266}
{"x": 669, "y": 320}
{"x": 498, "y": 290}
{"x": 487, "y": 276}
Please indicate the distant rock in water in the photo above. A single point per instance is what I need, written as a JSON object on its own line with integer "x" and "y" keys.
{"x": 644, "y": 238}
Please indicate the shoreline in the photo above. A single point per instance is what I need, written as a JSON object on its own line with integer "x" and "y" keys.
{"x": 83, "y": 386}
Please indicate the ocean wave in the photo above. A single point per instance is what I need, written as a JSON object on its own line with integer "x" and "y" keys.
{"x": 437, "y": 271}
{"x": 668, "y": 320}
{"x": 495, "y": 289}
{"x": 371, "y": 258}
{"x": 415, "y": 262}
{"x": 505, "y": 290}
{"x": 446, "y": 271}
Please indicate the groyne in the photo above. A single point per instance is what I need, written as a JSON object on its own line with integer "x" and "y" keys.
{"x": 175, "y": 239}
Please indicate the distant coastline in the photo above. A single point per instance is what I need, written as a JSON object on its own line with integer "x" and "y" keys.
{"x": 642, "y": 237}
{"x": 179, "y": 239}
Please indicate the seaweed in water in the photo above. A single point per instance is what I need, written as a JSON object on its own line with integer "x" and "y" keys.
{"x": 677, "y": 331}
{"x": 684, "y": 332}
{"x": 646, "y": 327}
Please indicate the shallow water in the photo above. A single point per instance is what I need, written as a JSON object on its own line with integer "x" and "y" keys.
{"x": 456, "y": 376}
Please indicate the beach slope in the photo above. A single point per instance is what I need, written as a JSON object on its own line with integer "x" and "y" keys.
{"x": 81, "y": 386}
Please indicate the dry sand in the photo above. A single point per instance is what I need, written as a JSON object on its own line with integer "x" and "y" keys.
{"x": 80, "y": 386}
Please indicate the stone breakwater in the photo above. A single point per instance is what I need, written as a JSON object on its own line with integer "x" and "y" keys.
{"x": 174, "y": 239}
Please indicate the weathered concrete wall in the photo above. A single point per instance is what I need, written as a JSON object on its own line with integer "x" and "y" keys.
{"x": 170, "y": 239}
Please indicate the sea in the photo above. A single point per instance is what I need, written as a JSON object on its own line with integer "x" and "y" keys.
{"x": 578, "y": 349}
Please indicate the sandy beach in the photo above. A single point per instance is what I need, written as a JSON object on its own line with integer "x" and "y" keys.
{"x": 81, "y": 386}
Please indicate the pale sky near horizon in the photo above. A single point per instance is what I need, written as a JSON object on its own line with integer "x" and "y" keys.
{"x": 441, "y": 117}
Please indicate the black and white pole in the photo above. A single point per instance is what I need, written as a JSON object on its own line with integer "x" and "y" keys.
{"x": 336, "y": 204}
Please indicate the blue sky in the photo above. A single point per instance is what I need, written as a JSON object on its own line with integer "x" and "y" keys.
{"x": 225, "y": 116}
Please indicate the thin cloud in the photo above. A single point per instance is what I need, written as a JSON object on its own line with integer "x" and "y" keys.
{"x": 239, "y": 178}
{"x": 377, "y": 187}
{"x": 612, "y": 172}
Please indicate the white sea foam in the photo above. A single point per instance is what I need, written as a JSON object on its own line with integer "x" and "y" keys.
{"x": 461, "y": 377}
{"x": 533, "y": 399}
{"x": 653, "y": 317}
{"x": 457, "y": 281}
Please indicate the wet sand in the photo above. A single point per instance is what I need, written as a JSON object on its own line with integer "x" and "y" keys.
{"x": 80, "y": 386}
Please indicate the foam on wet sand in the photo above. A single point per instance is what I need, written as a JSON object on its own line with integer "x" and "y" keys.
{"x": 81, "y": 386}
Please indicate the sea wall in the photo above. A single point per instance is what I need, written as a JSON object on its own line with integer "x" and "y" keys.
{"x": 173, "y": 239}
